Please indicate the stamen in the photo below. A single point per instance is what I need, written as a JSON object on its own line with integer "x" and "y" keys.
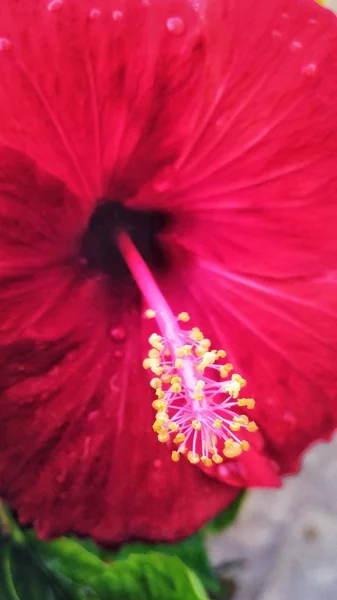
{"x": 198, "y": 405}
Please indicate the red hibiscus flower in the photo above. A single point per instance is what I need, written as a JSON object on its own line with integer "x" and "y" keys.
{"x": 205, "y": 134}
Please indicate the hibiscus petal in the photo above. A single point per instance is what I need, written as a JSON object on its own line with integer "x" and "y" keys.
{"x": 77, "y": 450}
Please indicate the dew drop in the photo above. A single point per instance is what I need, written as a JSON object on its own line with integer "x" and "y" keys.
{"x": 93, "y": 415}
{"x": 5, "y": 44}
{"x": 175, "y": 25}
{"x": 276, "y": 34}
{"x": 295, "y": 45}
{"x": 309, "y": 70}
{"x": 285, "y": 15}
{"x": 289, "y": 419}
{"x": 163, "y": 180}
{"x": 118, "y": 334}
{"x": 117, "y": 15}
{"x": 118, "y": 353}
{"x": 95, "y": 13}
{"x": 55, "y": 5}
{"x": 157, "y": 463}
{"x": 313, "y": 22}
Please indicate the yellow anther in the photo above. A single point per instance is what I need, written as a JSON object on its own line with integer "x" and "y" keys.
{"x": 179, "y": 352}
{"x": 162, "y": 416}
{"x": 180, "y": 437}
{"x": 150, "y": 314}
{"x": 193, "y": 458}
{"x": 157, "y": 370}
{"x": 160, "y": 394}
{"x": 184, "y": 316}
{"x": 241, "y": 381}
{"x": 166, "y": 378}
{"x": 146, "y": 363}
{"x": 198, "y": 396}
{"x": 217, "y": 459}
{"x": 252, "y": 426}
{"x": 156, "y": 383}
{"x": 196, "y": 425}
{"x": 209, "y": 358}
{"x": 178, "y": 363}
{"x": 196, "y": 334}
{"x": 175, "y": 456}
{"x": 159, "y": 405}
{"x": 234, "y": 426}
{"x": 229, "y": 443}
{"x": 182, "y": 450}
{"x": 233, "y": 450}
{"x": 158, "y": 427}
{"x": 241, "y": 419}
{"x": 200, "y": 385}
{"x": 153, "y": 363}
{"x": 244, "y": 445}
{"x": 175, "y": 379}
{"x": 163, "y": 437}
{"x": 206, "y": 461}
{"x": 221, "y": 354}
{"x": 154, "y": 353}
{"x": 154, "y": 338}
{"x": 176, "y": 388}
{"x": 187, "y": 349}
{"x": 249, "y": 402}
{"x": 174, "y": 426}
{"x": 205, "y": 343}
{"x": 199, "y": 351}
{"x": 217, "y": 423}
{"x": 232, "y": 388}
{"x": 225, "y": 370}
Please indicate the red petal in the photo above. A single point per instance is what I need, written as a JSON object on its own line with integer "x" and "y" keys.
{"x": 77, "y": 450}
{"x": 257, "y": 215}
{"x": 83, "y": 96}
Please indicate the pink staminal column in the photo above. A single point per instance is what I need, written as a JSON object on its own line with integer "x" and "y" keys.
{"x": 198, "y": 405}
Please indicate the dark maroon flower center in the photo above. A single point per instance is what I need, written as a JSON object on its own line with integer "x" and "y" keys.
{"x": 98, "y": 244}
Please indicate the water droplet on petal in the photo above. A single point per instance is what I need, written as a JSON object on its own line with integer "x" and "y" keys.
{"x": 309, "y": 70}
{"x": 5, "y": 44}
{"x": 285, "y": 15}
{"x": 157, "y": 463}
{"x": 95, "y": 13}
{"x": 163, "y": 180}
{"x": 313, "y": 22}
{"x": 276, "y": 34}
{"x": 118, "y": 353}
{"x": 118, "y": 334}
{"x": 93, "y": 415}
{"x": 117, "y": 15}
{"x": 175, "y": 25}
{"x": 295, "y": 45}
{"x": 55, "y": 5}
{"x": 289, "y": 418}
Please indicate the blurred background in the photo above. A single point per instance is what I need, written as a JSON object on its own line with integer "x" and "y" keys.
{"x": 283, "y": 545}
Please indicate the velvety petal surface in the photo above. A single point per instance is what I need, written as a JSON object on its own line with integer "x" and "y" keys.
{"x": 258, "y": 215}
{"x": 224, "y": 116}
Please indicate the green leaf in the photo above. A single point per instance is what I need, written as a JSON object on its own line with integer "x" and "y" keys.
{"x": 225, "y": 518}
{"x": 24, "y": 577}
{"x": 152, "y": 576}
{"x": 147, "y": 575}
{"x": 191, "y": 551}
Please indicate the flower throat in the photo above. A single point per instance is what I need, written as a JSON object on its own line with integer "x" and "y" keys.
{"x": 99, "y": 242}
